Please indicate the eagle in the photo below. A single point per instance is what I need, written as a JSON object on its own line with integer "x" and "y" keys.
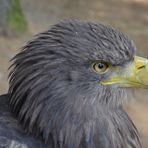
{"x": 67, "y": 87}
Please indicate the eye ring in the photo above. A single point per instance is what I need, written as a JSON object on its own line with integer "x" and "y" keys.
{"x": 100, "y": 67}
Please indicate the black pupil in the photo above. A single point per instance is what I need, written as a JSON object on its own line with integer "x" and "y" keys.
{"x": 101, "y": 65}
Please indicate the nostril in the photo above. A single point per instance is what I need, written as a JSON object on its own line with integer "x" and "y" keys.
{"x": 141, "y": 67}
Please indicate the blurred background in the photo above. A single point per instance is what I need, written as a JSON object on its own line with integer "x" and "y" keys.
{"x": 21, "y": 19}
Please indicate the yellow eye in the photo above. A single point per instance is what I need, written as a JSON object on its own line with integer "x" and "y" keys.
{"x": 100, "y": 67}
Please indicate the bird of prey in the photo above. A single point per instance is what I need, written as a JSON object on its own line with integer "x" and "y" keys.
{"x": 67, "y": 87}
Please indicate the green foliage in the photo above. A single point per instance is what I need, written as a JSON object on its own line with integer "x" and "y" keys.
{"x": 16, "y": 19}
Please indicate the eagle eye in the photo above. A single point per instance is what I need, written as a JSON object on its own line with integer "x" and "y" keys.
{"x": 100, "y": 67}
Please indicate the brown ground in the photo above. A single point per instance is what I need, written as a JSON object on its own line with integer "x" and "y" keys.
{"x": 130, "y": 16}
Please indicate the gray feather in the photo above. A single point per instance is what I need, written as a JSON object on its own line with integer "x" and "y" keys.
{"x": 56, "y": 95}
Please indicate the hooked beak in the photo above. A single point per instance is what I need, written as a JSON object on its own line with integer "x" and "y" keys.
{"x": 135, "y": 75}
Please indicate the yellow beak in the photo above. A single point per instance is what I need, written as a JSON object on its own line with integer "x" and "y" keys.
{"x": 134, "y": 75}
